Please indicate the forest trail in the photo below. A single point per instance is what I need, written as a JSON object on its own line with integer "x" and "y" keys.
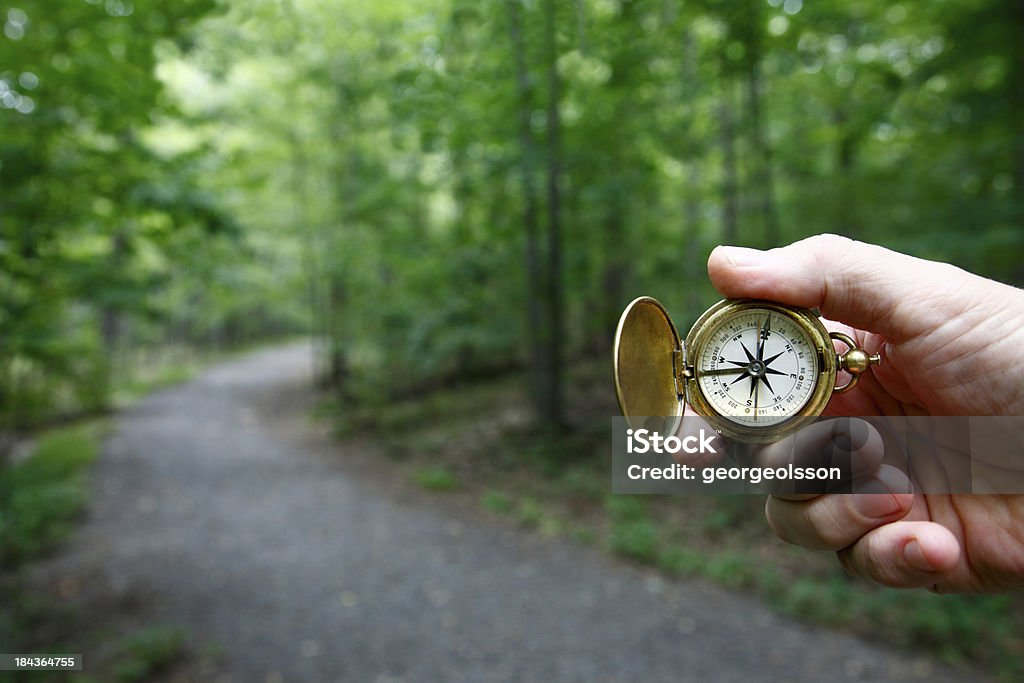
{"x": 220, "y": 508}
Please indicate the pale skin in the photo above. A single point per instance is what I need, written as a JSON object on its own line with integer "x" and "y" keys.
{"x": 951, "y": 344}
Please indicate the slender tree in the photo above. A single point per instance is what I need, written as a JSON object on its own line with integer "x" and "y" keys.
{"x": 552, "y": 393}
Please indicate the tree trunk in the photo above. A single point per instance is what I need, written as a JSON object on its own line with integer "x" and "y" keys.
{"x": 846, "y": 213}
{"x": 581, "y": 26}
{"x": 534, "y": 313}
{"x": 110, "y": 316}
{"x": 692, "y": 254}
{"x": 615, "y": 245}
{"x": 301, "y": 198}
{"x": 556, "y": 323}
{"x": 764, "y": 181}
{"x": 730, "y": 184}
{"x": 337, "y": 356}
{"x": 613, "y": 271}
{"x": 337, "y": 319}
{"x": 1016, "y": 81}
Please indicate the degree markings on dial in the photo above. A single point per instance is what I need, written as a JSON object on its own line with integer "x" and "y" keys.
{"x": 783, "y": 351}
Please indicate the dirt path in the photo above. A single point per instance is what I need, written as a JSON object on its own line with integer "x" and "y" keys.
{"x": 213, "y": 513}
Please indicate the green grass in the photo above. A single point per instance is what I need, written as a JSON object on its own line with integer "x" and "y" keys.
{"x": 147, "y": 652}
{"x": 42, "y": 496}
{"x": 41, "y": 500}
{"x": 680, "y": 561}
{"x": 161, "y": 377}
{"x": 633, "y": 533}
{"x": 436, "y": 478}
{"x": 497, "y": 501}
{"x": 529, "y": 512}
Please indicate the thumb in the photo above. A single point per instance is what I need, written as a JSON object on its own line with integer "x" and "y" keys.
{"x": 862, "y": 285}
{"x": 904, "y": 554}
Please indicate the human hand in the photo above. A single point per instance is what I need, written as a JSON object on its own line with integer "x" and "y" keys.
{"x": 950, "y": 341}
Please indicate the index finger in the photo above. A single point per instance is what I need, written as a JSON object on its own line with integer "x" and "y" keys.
{"x": 863, "y": 285}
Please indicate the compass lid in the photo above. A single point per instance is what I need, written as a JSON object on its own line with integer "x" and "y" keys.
{"x": 648, "y": 355}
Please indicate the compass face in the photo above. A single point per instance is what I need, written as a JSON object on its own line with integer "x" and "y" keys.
{"x": 757, "y": 368}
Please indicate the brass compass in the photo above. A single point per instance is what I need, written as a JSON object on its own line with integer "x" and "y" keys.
{"x": 755, "y": 370}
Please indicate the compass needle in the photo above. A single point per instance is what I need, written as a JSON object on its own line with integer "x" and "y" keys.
{"x": 762, "y": 337}
{"x": 755, "y": 398}
{"x": 724, "y": 371}
{"x": 741, "y": 377}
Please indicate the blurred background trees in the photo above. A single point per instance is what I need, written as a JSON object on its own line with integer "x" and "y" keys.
{"x": 442, "y": 190}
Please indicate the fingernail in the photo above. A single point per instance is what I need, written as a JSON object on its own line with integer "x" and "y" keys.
{"x": 874, "y": 501}
{"x": 743, "y": 257}
{"x": 914, "y": 556}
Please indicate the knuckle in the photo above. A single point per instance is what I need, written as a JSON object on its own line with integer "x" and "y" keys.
{"x": 814, "y": 524}
{"x": 784, "y": 519}
{"x": 880, "y": 567}
{"x": 832, "y": 528}
{"x": 827, "y": 242}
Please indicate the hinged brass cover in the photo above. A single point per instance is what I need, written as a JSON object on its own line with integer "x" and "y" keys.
{"x": 649, "y": 363}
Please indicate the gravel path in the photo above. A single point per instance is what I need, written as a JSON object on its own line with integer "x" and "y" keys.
{"x": 216, "y": 510}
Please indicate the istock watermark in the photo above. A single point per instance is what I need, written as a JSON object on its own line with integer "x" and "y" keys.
{"x": 647, "y": 441}
{"x": 940, "y": 454}
{"x": 651, "y": 442}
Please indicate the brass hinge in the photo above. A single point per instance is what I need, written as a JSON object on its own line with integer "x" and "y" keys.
{"x": 681, "y": 373}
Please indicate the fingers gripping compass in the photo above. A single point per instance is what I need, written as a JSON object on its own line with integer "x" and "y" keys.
{"x": 755, "y": 370}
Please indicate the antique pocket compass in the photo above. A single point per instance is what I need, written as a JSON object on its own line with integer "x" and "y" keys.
{"x": 756, "y": 371}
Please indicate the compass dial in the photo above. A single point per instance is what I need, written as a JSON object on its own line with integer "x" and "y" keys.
{"x": 757, "y": 367}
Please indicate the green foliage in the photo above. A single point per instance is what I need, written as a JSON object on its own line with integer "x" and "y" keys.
{"x": 529, "y": 512}
{"x": 633, "y": 533}
{"x": 41, "y": 496}
{"x": 394, "y": 176}
{"x": 960, "y": 628}
{"x": 147, "y": 652}
{"x": 734, "y": 570}
{"x": 437, "y": 478}
{"x": 637, "y": 540}
{"x": 580, "y": 481}
{"x": 496, "y": 501}
{"x": 623, "y": 508}
{"x": 729, "y": 512}
{"x": 680, "y": 561}
{"x": 84, "y": 214}
{"x": 209, "y": 173}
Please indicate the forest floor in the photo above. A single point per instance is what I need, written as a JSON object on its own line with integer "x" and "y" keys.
{"x": 228, "y": 527}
